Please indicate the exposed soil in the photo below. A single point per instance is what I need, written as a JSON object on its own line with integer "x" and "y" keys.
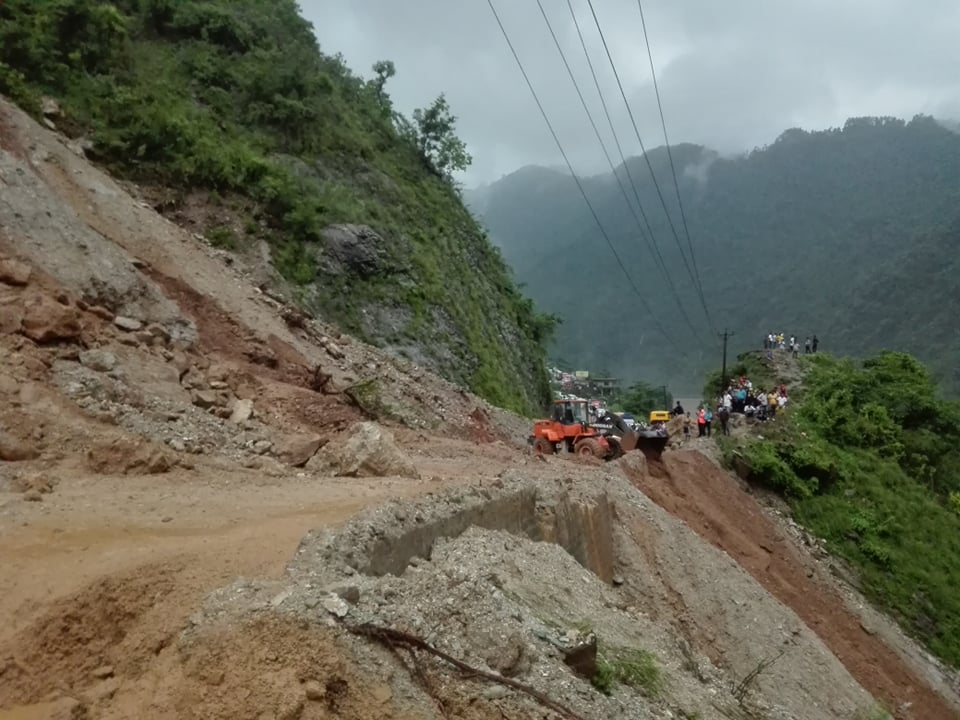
{"x": 715, "y": 506}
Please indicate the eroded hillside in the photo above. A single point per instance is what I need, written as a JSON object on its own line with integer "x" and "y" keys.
{"x": 234, "y": 123}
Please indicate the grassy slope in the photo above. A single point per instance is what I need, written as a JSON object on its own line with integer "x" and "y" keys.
{"x": 869, "y": 461}
{"x": 236, "y": 100}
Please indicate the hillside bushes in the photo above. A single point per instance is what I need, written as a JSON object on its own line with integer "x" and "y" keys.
{"x": 870, "y": 461}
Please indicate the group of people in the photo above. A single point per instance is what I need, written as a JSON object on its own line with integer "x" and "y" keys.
{"x": 705, "y": 418}
{"x": 743, "y": 398}
{"x": 740, "y": 397}
{"x": 773, "y": 341}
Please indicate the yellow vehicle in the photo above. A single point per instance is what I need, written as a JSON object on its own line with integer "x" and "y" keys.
{"x": 659, "y": 416}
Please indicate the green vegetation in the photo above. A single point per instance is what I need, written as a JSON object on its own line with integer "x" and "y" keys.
{"x": 849, "y": 233}
{"x": 233, "y": 101}
{"x": 634, "y": 668}
{"x": 640, "y": 398}
{"x": 870, "y": 461}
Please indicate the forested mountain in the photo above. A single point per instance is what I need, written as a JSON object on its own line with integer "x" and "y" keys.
{"x": 228, "y": 113}
{"x": 849, "y": 233}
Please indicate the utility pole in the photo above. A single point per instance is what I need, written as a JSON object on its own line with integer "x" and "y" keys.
{"x": 665, "y": 403}
{"x": 723, "y": 373}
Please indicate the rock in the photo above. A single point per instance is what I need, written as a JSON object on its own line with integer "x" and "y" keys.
{"x": 297, "y": 450}
{"x": 582, "y": 657}
{"x": 45, "y": 320}
{"x": 242, "y": 411}
{"x": 49, "y": 106}
{"x": 128, "y": 457}
{"x": 99, "y": 360}
{"x": 11, "y": 319}
{"x": 314, "y": 690}
{"x": 261, "y": 447}
{"x": 336, "y": 605}
{"x": 177, "y": 444}
{"x": 101, "y": 312}
{"x": 366, "y": 450}
{"x": 618, "y": 580}
{"x": 127, "y": 323}
{"x": 103, "y": 672}
{"x": 496, "y": 692}
{"x": 381, "y": 694}
{"x": 33, "y": 496}
{"x": 350, "y": 593}
{"x": 14, "y": 272}
{"x": 357, "y": 249}
{"x": 204, "y": 398}
{"x": 262, "y": 355}
{"x": 15, "y": 449}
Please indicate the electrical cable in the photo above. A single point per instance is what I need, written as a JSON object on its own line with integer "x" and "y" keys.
{"x": 652, "y": 247}
{"x": 576, "y": 179}
{"x": 673, "y": 167}
{"x": 646, "y": 158}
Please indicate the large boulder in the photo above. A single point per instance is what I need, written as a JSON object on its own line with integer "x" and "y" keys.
{"x": 356, "y": 249}
{"x": 366, "y": 450}
{"x": 296, "y": 450}
{"x": 46, "y": 320}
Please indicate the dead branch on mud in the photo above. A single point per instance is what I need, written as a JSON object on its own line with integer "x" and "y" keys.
{"x": 393, "y": 638}
{"x": 740, "y": 691}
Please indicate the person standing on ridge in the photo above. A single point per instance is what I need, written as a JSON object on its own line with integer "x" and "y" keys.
{"x": 701, "y": 423}
{"x": 806, "y": 346}
{"x": 816, "y": 342}
{"x": 678, "y": 410}
{"x": 724, "y": 414}
{"x": 708, "y": 420}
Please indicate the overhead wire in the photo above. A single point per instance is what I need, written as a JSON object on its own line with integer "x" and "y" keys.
{"x": 651, "y": 246}
{"x": 673, "y": 167}
{"x": 577, "y": 180}
{"x": 646, "y": 158}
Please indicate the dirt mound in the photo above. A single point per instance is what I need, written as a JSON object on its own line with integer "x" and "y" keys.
{"x": 81, "y": 639}
{"x": 716, "y": 507}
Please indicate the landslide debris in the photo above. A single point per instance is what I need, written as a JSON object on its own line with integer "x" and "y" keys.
{"x": 520, "y": 579}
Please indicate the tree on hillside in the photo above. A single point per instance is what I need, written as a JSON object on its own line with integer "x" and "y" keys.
{"x": 384, "y": 70}
{"x": 439, "y": 145}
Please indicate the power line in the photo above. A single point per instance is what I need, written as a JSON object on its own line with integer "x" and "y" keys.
{"x": 673, "y": 168}
{"x": 613, "y": 131}
{"x": 650, "y": 246}
{"x": 576, "y": 179}
{"x": 646, "y": 158}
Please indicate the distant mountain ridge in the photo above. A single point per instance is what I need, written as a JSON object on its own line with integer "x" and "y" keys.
{"x": 851, "y": 233}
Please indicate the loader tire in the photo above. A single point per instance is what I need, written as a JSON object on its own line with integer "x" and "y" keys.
{"x": 542, "y": 446}
{"x": 589, "y": 447}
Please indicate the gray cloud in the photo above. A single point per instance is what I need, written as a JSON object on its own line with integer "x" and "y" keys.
{"x": 733, "y": 75}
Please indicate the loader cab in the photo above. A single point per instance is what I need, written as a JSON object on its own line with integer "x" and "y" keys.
{"x": 570, "y": 412}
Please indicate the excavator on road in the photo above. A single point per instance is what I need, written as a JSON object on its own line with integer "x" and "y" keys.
{"x": 572, "y": 430}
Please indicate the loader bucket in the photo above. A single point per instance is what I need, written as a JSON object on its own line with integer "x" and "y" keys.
{"x": 649, "y": 443}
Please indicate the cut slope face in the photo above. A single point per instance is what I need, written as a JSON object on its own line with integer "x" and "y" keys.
{"x": 713, "y": 505}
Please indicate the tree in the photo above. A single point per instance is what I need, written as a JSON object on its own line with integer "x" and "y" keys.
{"x": 384, "y": 69}
{"x": 640, "y": 398}
{"x": 439, "y": 145}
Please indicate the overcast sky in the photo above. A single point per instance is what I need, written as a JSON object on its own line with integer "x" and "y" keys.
{"x": 732, "y": 74}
